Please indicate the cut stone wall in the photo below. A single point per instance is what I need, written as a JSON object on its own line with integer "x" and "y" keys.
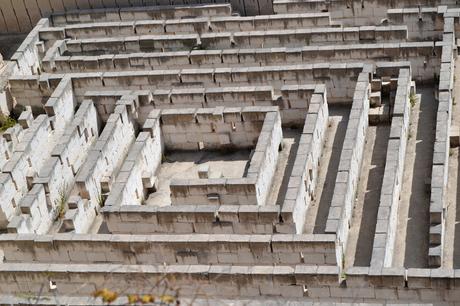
{"x": 385, "y": 234}
{"x": 208, "y": 24}
{"x": 139, "y": 168}
{"x": 348, "y": 173}
{"x": 303, "y": 179}
{"x": 28, "y": 157}
{"x": 170, "y": 249}
{"x": 356, "y": 12}
{"x": 293, "y": 100}
{"x": 396, "y": 285}
{"x": 220, "y": 129}
{"x": 106, "y": 155}
{"x": 440, "y": 175}
{"x": 21, "y": 17}
{"x": 423, "y": 56}
{"x": 339, "y": 80}
{"x": 202, "y": 219}
{"x": 242, "y": 40}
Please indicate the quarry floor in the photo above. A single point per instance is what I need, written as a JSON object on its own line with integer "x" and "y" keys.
{"x": 185, "y": 165}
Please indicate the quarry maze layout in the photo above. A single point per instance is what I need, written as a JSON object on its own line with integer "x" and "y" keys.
{"x": 310, "y": 154}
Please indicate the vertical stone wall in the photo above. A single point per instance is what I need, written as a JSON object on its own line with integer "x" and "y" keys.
{"x": 440, "y": 175}
{"x": 340, "y": 212}
{"x": 111, "y": 146}
{"x": 265, "y": 158}
{"x": 387, "y": 217}
{"x": 304, "y": 176}
{"x": 139, "y": 167}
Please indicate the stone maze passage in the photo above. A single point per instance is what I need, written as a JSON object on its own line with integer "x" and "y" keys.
{"x": 296, "y": 150}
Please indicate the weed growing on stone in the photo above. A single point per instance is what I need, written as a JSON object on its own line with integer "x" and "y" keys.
{"x": 6, "y": 122}
{"x": 61, "y": 202}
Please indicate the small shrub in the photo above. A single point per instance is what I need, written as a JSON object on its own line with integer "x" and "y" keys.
{"x": 6, "y": 122}
{"x": 106, "y": 295}
{"x": 61, "y": 202}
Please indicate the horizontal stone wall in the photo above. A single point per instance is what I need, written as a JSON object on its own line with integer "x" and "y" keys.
{"x": 340, "y": 81}
{"x": 228, "y": 40}
{"x": 341, "y": 209}
{"x": 184, "y": 26}
{"x": 301, "y": 281}
{"x": 424, "y": 57}
{"x": 355, "y": 12}
{"x": 387, "y": 216}
{"x": 22, "y": 17}
{"x": 170, "y": 249}
{"x": 292, "y": 102}
{"x": 304, "y": 176}
{"x": 212, "y": 128}
{"x": 157, "y": 12}
{"x": 202, "y": 219}
{"x": 221, "y": 191}
{"x": 426, "y": 23}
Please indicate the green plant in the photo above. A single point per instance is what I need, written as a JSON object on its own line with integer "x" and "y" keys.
{"x": 413, "y": 99}
{"x": 6, "y": 122}
{"x": 61, "y": 202}
{"x": 453, "y": 101}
